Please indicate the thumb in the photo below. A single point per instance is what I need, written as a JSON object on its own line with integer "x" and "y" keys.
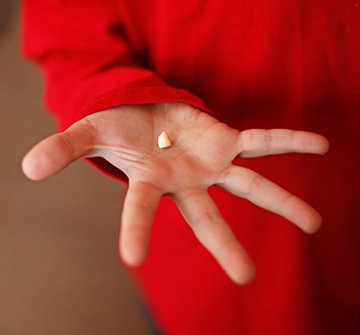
{"x": 56, "y": 152}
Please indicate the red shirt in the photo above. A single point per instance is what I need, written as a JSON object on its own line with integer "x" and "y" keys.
{"x": 253, "y": 64}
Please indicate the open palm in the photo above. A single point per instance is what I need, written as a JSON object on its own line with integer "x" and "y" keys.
{"x": 201, "y": 155}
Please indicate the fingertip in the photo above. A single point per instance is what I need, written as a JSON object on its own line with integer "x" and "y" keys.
{"x": 42, "y": 161}
{"x": 48, "y": 157}
{"x": 325, "y": 145}
{"x": 31, "y": 168}
{"x": 320, "y": 144}
{"x": 132, "y": 254}
{"x": 312, "y": 143}
{"x": 245, "y": 276}
{"x": 314, "y": 224}
{"x": 26, "y": 167}
{"x": 239, "y": 265}
{"x": 306, "y": 218}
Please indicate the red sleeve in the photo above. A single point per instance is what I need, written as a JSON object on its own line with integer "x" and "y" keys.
{"x": 88, "y": 63}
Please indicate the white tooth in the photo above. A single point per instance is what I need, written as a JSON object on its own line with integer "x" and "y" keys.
{"x": 164, "y": 140}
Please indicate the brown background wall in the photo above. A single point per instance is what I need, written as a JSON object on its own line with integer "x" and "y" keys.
{"x": 59, "y": 269}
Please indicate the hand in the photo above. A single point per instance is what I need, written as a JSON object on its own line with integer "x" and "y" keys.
{"x": 201, "y": 155}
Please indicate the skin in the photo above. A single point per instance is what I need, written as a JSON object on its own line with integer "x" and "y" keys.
{"x": 201, "y": 155}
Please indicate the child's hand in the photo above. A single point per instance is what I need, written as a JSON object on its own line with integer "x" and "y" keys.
{"x": 201, "y": 155}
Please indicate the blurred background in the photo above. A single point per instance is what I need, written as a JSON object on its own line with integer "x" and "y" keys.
{"x": 59, "y": 267}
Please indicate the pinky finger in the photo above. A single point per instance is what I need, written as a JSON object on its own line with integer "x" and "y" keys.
{"x": 261, "y": 142}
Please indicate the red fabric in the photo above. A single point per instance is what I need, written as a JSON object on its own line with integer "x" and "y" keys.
{"x": 256, "y": 64}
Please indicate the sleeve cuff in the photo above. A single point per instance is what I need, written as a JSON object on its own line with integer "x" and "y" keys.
{"x": 134, "y": 96}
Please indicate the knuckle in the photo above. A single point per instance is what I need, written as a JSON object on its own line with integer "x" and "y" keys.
{"x": 67, "y": 143}
{"x": 247, "y": 138}
{"x": 205, "y": 217}
{"x": 139, "y": 203}
{"x": 268, "y": 140}
{"x": 254, "y": 184}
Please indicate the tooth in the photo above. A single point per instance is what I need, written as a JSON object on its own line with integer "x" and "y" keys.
{"x": 164, "y": 140}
